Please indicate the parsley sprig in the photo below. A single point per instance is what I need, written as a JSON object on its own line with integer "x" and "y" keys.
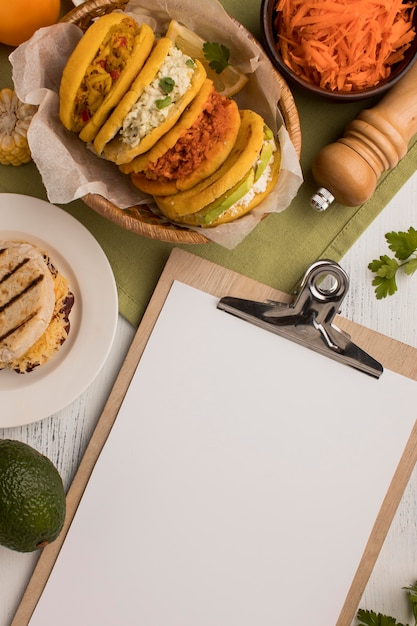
{"x": 370, "y": 618}
{"x": 217, "y": 55}
{"x": 166, "y": 85}
{"x": 404, "y": 246}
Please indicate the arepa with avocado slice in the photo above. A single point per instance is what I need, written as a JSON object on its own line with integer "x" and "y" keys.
{"x": 245, "y": 178}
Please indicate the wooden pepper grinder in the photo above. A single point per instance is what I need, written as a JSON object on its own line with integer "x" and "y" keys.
{"x": 374, "y": 142}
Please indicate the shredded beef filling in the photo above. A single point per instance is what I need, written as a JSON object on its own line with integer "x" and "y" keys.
{"x": 194, "y": 145}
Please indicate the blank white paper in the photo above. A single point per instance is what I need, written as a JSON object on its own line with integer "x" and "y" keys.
{"x": 239, "y": 484}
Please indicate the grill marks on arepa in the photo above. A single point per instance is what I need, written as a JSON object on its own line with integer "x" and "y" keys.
{"x": 35, "y": 302}
{"x": 8, "y": 305}
{"x": 27, "y": 299}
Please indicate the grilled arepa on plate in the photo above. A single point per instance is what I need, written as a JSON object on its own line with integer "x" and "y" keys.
{"x": 35, "y": 302}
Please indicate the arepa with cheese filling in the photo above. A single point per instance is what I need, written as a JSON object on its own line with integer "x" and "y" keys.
{"x": 35, "y": 303}
{"x": 193, "y": 149}
{"x": 164, "y": 87}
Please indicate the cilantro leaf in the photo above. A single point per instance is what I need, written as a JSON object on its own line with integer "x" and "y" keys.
{"x": 412, "y": 597}
{"x": 370, "y": 618}
{"x": 162, "y": 103}
{"x": 217, "y": 55}
{"x": 167, "y": 84}
{"x": 385, "y": 270}
{"x": 403, "y": 244}
{"x": 384, "y": 266}
{"x": 410, "y": 267}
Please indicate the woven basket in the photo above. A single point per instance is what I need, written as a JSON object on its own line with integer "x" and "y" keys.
{"x": 141, "y": 219}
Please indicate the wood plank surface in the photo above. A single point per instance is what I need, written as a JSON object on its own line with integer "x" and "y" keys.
{"x": 217, "y": 281}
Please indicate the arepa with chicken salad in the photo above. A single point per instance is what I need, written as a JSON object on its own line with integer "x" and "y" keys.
{"x": 165, "y": 86}
{"x": 193, "y": 149}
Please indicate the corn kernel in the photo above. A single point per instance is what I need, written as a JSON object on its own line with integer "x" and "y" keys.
{"x": 15, "y": 118}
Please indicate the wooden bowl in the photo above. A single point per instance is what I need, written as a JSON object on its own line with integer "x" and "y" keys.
{"x": 141, "y": 219}
{"x": 270, "y": 29}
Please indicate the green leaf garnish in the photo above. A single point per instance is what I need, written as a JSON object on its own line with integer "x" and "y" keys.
{"x": 167, "y": 84}
{"x": 412, "y": 598}
{"x": 370, "y": 618}
{"x": 404, "y": 246}
{"x": 385, "y": 270}
{"x": 217, "y": 55}
{"x": 163, "y": 102}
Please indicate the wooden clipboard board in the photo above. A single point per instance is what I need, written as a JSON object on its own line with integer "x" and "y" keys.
{"x": 217, "y": 281}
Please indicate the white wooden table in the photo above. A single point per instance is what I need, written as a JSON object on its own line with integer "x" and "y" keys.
{"x": 64, "y": 436}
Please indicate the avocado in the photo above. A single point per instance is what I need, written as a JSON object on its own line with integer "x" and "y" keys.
{"x": 268, "y": 134}
{"x": 263, "y": 160}
{"x": 32, "y": 498}
{"x": 212, "y": 211}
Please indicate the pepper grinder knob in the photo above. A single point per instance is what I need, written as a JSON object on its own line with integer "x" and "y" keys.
{"x": 374, "y": 142}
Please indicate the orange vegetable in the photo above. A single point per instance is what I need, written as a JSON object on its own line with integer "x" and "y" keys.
{"x": 20, "y": 18}
{"x": 344, "y": 45}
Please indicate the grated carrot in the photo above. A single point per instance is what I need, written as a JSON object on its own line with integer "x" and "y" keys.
{"x": 344, "y": 45}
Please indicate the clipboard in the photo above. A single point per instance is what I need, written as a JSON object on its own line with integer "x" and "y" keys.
{"x": 219, "y": 282}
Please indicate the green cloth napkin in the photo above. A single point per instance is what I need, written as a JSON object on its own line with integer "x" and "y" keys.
{"x": 279, "y": 250}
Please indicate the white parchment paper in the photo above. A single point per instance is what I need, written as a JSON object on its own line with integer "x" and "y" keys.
{"x": 69, "y": 169}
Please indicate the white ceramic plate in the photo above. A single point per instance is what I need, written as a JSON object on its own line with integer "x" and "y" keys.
{"x": 26, "y": 398}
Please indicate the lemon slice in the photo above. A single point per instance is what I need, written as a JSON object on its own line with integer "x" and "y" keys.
{"x": 228, "y": 82}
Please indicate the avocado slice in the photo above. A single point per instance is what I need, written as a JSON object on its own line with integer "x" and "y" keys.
{"x": 264, "y": 158}
{"x": 213, "y": 210}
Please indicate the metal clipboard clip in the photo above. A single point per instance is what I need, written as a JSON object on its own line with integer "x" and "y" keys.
{"x": 308, "y": 320}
